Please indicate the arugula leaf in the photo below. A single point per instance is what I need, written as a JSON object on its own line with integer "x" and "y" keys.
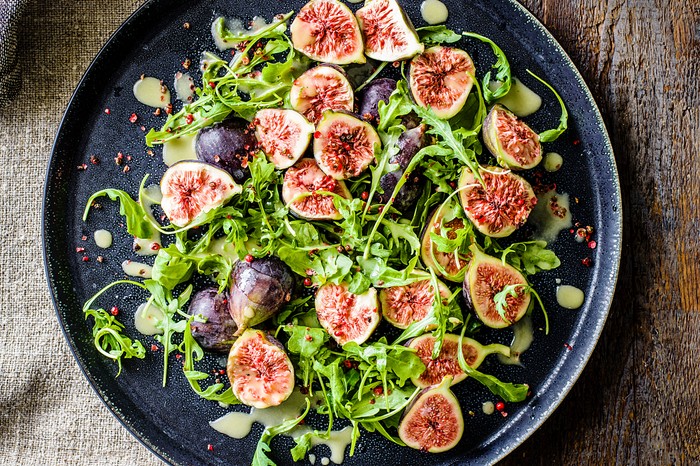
{"x": 137, "y": 223}
{"x": 501, "y": 66}
{"x": 530, "y": 256}
{"x": 513, "y": 392}
{"x": 107, "y": 331}
{"x": 501, "y": 298}
{"x": 110, "y": 340}
{"x": 193, "y": 352}
{"x": 435, "y": 35}
{"x": 552, "y": 134}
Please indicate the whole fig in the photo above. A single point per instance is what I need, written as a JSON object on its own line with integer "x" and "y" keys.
{"x": 259, "y": 290}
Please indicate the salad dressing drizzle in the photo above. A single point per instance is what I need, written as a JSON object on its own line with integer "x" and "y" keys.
{"x": 137, "y": 269}
{"x": 239, "y": 425}
{"x": 184, "y": 87}
{"x": 521, "y": 100}
{"x": 551, "y": 215}
{"x": 146, "y": 317}
{"x": 103, "y": 238}
{"x": 433, "y": 11}
{"x": 570, "y": 297}
{"x": 523, "y": 335}
{"x": 179, "y": 149}
{"x": 150, "y": 91}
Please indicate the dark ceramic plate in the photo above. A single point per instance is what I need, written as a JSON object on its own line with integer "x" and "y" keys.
{"x": 172, "y": 421}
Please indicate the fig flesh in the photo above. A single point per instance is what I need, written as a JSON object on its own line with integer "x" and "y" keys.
{"x": 434, "y": 421}
{"x": 404, "y": 305}
{"x": 376, "y": 91}
{"x": 283, "y": 135}
{"x": 217, "y": 333}
{"x": 501, "y": 205}
{"x": 260, "y": 371}
{"x": 347, "y": 316}
{"x": 193, "y": 188}
{"x": 389, "y": 34}
{"x": 447, "y": 363}
{"x": 410, "y": 142}
{"x": 259, "y": 290}
{"x": 514, "y": 144}
{"x": 300, "y": 191}
{"x": 227, "y": 145}
{"x": 449, "y": 265}
{"x": 344, "y": 145}
{"x": 441, "y": 79}
{"x": 327, "y": 31}
{"x": 487, "y": 276}
{"x": 319, "y": 89}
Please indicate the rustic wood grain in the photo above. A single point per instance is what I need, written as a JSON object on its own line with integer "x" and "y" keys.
{"x": 637, "y": 400}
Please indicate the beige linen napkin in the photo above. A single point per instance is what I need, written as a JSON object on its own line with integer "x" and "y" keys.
{"x": 48, "y": 413}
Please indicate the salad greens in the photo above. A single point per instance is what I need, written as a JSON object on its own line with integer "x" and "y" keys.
{"x": 366, "y": 384}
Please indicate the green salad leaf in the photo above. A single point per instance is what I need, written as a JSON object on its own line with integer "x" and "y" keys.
{"x": 137, "y": 222}
{"x": 502, "y": 68}
{"x": 552, "y": 134}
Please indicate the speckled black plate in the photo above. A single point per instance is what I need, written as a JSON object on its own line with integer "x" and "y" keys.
{"x": 172, "y": 421}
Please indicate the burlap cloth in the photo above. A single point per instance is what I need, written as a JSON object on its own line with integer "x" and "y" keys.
{"x": 49, "y": 415}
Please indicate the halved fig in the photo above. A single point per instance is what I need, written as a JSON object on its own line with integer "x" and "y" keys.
{"x": 319, "y": 89}
{"x": 501, "y": 205}
{"x": 227, "y": 145}
{"x": 259, "y": 290}
{"x": 344, "y": 145}
{"x": 404, "y": 305}
{"x": 259, "y": 369}
{"x": 347, "y": 316}
{"x": 433, "y": 422}
{"x": 447, "y": 364}
{"x": 192, "y": 188}
{"x": 410, "y": 142}
{"x": 449, "y": 265}
{"x": 389, "y": 34}
{"x": 218, "y": 332}
{"x": 376, "y": 91}
{"x": 441, "y": 79}
{"x": 327, "y": 31}
{"x": 487, "y": 276}
{"x": 300, "y": 191}
{"x": 283, "y": 135}
{"x": 514, "y": 144}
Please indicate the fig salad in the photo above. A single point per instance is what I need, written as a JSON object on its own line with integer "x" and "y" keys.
{"x": 351, "y": 219}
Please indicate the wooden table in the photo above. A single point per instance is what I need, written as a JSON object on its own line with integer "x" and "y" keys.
{"x": 638, "y": 400}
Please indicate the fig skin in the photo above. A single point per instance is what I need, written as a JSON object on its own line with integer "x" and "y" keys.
{"x": 284, "y": 135}
{"x": 486, "y": 277}
{"x": 410, "y": 142}
{"x": 259, "y": 369}
{"x": 306, "y": 177}
{"x": 388, "y": 32}
{"x": 369, "y": 98}
{"x": 217, "y": 333}
{"x": 191, "y": 188}
{"x": 259, "y": 290}
{"x": 227, "y": 145}
{"x": 455, "y": 270}
{"x": 441, "y": 79}
{"x": 414, "y": 301}
{"x": 344, "y": 146}
{"x": 514, "y": 144}
{"x": 433, "y": 422}
{"x": 347, "y": 316}
{"x": 499, "y": 208}
{"x": 340, "y": 40}
{"x": 447, "y": 364}
{"x": 321, "y": 88}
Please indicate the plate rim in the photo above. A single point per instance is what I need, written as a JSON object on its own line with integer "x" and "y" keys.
{"x": 572, "y": 375}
